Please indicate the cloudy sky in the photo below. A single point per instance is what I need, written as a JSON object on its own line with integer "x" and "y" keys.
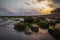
{"x": 21, "y": 7}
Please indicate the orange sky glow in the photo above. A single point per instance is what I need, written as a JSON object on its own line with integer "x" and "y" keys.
{"x": 44, "y": 7}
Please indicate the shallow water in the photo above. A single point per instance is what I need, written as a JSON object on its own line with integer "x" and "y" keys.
{"x": 7, "y": 32}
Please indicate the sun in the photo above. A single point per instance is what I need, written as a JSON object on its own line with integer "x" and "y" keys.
{"x": 47, "y": 11}
{"x": 44, "y": 7}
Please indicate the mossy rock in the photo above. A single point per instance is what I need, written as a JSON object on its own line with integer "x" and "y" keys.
{"x": 34, "y": 28}
{"x": 19, "y": 26}
{"x": 43, "y": 24}
{"x": 55, "y": 33}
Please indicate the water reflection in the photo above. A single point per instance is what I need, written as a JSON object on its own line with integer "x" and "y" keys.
{"x": 22, "y": 29}
{"x": 8, "y": 31}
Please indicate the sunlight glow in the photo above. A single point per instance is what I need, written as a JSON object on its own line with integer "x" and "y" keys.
{"x": 44, "y": 6}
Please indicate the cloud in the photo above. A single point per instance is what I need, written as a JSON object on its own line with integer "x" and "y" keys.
{"x": 5, "y": 12}
{"x": 23, "y": 12}
{"x": 56, "y": 1}
{"x": 17, "y": 7}
{"x": 38, "y": 0}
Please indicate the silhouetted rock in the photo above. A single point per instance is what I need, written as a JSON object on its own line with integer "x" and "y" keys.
{"x": 19, "y": 26}
{"x": 34, "y": 28}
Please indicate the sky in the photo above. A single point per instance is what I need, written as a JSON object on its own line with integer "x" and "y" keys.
{"x": 22, "y": 7}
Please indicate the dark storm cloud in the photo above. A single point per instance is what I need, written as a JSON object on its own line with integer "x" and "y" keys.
{"x": 3, "y": 9}
{"x": 56, "y": 1}
{"x": 38, "y": 0}
{"x": 5, "y": 12}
